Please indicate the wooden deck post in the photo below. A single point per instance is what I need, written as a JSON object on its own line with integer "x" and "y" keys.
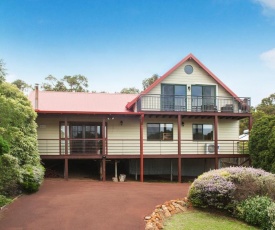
{"x": 103, "y": 150}
{"x": 141, "y": 146}
{"x": 179, "y": 148}
{"x": 66, "y": 169}
{"x": 66, "y": 136}
{"x": 66, "y": 161}
{"x": 216, "y": 141}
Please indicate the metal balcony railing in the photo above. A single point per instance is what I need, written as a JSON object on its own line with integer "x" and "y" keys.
{"x": 157, "y": 102}
{"x": 132, "y": 147}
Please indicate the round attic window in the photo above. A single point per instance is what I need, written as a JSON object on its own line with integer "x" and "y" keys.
{"x": 188, "y": 69}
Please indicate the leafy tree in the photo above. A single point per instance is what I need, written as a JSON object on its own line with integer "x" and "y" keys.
{"x": 267, "y": 105}
{"x": 2, "y": 71}
{"x": 53, "y": 84}
{"x": 243, "y": 125}
{"x": 262, "y": 143}
{"x": 76, "y": 83}
{"x": 20, "y": 84}
{"x": 129, "y": 90}
{"x": 18, "y": 128}
{"x": 149, "y": 81}
{"x": 94, "y": 91}
{"x": 4, "y": 146}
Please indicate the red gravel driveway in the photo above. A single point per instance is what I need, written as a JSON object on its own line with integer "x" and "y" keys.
{"x": 84, "y": 204}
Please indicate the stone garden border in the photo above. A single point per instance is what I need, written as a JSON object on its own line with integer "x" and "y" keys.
{"x": 164, "y": 211}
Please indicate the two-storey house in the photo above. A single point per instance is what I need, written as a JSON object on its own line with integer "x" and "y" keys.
{"x": 185, "y": 123}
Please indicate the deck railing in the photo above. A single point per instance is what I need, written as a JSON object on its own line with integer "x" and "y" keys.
{"x": 132, "y": 147}
{"x": 157, "y": 102}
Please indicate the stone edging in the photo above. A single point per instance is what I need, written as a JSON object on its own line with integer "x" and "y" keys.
{"x": 162, "y": 212}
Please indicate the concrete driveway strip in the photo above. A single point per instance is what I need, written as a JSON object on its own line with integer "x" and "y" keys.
{"x": 84, "y": 204}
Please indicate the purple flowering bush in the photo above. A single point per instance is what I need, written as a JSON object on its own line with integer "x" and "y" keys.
{"x": 224, "y": 188}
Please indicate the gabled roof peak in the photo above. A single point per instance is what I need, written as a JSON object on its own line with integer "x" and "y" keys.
{"x": 188, "y": 57}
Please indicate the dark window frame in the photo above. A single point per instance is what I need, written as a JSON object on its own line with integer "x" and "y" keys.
{"x": 86, "y": 144}
{"x": 200, "y": 132}
{"x": 162, "y": 132}
{"x": 173, "y": 101}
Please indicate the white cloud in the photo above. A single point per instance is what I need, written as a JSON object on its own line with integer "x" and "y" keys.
{"x": 268, "y": 7}
{"x": 267, "y": 4}
{"x": 268, "y": 58}
{"x": 11, "y": 77}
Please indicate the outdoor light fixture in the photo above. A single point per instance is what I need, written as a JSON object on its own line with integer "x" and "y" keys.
{"x": 189, "y": 88}
{"x": 121, "y": 123}
{"x": 182, "y": 123}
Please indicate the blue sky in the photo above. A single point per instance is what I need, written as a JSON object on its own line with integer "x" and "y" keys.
{"x": 118, "y": 43}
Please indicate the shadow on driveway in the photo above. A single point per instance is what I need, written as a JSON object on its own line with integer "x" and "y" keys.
{"x": 85, "y": 204}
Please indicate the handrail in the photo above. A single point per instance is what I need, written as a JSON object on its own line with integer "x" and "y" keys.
{"x": 189, "y": 103}
{"x": 132, "y": 146}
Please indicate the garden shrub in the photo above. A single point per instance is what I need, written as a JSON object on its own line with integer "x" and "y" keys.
{"x": 254, "y": 211}
{"x": 32, "y": 178}
{"x": 19, "y": 129}
{"x": 271, "y": 215}
{"x": 211, "y": 191}
{"x": 10, "y": 175}
{"x": 224, "y": 188}
{"x": 251, "y": 182}
{"x": 4, "y": 146}
{"x": 4, "y": 200}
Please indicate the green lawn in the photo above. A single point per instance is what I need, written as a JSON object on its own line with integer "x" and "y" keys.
{"x": 199, "y": 220}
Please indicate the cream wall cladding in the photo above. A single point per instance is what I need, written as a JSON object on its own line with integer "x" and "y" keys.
{"x": 161, "y": 147}
{"x": 48, "y": 135}
{"x": 123, "y": 136}
{"x": 228, "y": 135}
{"x": 199, "y": 76}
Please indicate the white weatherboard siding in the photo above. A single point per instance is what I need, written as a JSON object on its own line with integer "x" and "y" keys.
{"x": 48, "y": 135}
{"x": 228, "y": 131}
{"x": 161, "y": 147}
{"x": 123, "y": 139}
{"x": 198, "y": 77}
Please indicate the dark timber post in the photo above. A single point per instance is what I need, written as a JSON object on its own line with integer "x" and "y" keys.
{"x": 179, "y": 148}
{"x": 216, "y": 141}
{"x": 66, "y": 163}
{"x": 103, "y": 150}
{"x": 66, "y": 169}
{"x": 141, "y": 146}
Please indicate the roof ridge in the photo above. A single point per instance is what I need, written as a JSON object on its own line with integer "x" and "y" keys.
{"x": 159, "y": 80}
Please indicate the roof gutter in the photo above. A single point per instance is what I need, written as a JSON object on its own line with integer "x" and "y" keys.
{"x": 87, "y": 112}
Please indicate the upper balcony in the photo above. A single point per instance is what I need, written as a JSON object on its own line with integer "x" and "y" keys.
{"x": 157, "y": 102}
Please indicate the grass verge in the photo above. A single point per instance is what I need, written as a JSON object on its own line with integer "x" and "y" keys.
{"x": 200, "y": 220}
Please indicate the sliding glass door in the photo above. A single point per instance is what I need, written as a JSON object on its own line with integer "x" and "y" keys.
{"x": 85, "y": 138}
{"x": 173, "y": 97}
{"x": 203, "y": 97}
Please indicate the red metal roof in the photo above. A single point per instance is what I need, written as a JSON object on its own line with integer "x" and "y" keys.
{"x": 190, "y": 56}
{"x": 75, "y": 102}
